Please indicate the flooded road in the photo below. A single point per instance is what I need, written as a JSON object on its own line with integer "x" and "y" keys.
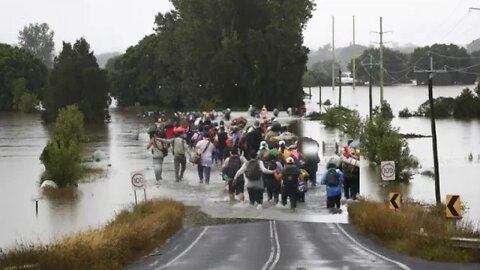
{"x": 22, "y": 138}
{"x": 456, "y": 139}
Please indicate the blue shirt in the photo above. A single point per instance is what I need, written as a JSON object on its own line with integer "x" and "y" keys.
{"x": 333, "y": 191}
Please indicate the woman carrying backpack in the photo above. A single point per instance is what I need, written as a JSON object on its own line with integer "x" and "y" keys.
{"x": 333, "y": 179}
{"x": 230, "y": 167}
{"x": 252, "y": 171}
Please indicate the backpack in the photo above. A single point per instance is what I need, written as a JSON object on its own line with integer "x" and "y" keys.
{"x": 234, "y": 164}
{"x": 253, "y": 171}
{"x": 332, "y": 178}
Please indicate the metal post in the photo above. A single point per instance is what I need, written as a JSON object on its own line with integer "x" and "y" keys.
{"x": 135, "y": 193}
{"x": 310, "y": 93}
{"x": 370, "y": 89}
{"x": 36, "y": 207}
{"x": 353, "y": 64}
{"x": 333, "y": 53}
{"x": 340, "y": 87}
{"x": 145, "y": 194}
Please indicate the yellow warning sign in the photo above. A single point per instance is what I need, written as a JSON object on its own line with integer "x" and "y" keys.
{"x": 394, "y": 200}
{"x": 453, "y": 206}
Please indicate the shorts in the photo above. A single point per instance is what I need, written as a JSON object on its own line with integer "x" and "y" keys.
{"x": 236, "y": 187}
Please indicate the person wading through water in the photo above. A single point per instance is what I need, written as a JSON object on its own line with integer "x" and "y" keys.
{"x": 159, "y": 152}
{"x": 179, "y": 151}
{"x": 252, "y": 171}
{"x": 230, "y": 168}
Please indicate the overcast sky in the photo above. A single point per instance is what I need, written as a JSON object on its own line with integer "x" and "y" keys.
{"x": 113, "y": 25}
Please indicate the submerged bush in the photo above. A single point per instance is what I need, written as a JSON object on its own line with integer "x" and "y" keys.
{"x": 382, "y": 142}
{"x": 61, "y": 156}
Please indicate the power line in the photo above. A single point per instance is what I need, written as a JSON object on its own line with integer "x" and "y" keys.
{"x": 455, "y": 57}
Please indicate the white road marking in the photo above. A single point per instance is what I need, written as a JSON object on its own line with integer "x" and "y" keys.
{"x": 154, "y": 263}
{"x": 277, "y": 256}
{"x": 186, "y": 250}
{"x": 272, "y": 247}
{"x": 401, "y": 265}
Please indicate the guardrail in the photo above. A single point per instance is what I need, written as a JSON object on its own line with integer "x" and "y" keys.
{"x": 466, "y": 242}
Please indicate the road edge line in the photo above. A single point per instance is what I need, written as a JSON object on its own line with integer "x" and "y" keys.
{"x": 403, "y": 266}
{"x": 186, "y": 250}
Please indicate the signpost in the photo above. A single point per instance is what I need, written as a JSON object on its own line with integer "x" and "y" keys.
{"x": 138, "y": 183}
{"x": 387, "y": 170}
{"x": 453, "y": 207}
{"x": 394, "y": 200}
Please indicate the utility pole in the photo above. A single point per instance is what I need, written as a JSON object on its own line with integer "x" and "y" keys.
{"x": 431, "y": 73}
{"x": 333, "y": 53}
{"x": 320, "y": 98}
{"x": 353, "y": 64}
{"x": 381, "y": 59}
{"x": 370, "y": 67}
{"x": 340, "y": 87}
{"x": 381, "y": 62}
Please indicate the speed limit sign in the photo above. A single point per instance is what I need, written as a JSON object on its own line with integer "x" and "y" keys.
{"x": 387, "y": 170}
{"x": 138, "y": 181}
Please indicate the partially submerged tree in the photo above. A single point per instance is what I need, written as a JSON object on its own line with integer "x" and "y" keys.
{"x": 61, "y": 156}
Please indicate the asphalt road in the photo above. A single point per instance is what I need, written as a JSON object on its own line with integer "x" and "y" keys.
{"x": 279, "y": 245}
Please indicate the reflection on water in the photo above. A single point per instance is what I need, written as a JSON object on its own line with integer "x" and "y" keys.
{"x": 22, "y": 138}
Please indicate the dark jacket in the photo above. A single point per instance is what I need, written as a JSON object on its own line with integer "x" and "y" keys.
{"x": 290, "y": 176}
{"x": 254, "y": 139}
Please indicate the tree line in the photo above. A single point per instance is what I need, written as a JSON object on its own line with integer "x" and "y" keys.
{"x": 31, "y": 76}
{"x": 217, "y": 53}
{"x": 463, "y": 67}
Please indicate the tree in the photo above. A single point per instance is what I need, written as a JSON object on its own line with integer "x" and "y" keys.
{"x": 38, "y": 40}
{"x": 395, "y": 66}
{"x": 456, "y": 59}
{"x": 61, "y": 156}
{"x": 20, "y": 73}
{"x": 77, "y": 79}
{"x": 239, "y": 51}
{"x": 382, "y": 142}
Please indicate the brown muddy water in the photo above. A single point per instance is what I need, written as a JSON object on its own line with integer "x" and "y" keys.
{"x": 22, "y": 138}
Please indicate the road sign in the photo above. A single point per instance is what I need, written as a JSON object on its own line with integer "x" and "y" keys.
{"x": 138, "y": 181}
{"x": 387, "y": 170}
{"x": 453, "y": 206}
{"x": 394, "y": 200}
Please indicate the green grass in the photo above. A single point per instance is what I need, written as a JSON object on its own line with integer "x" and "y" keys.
{"x": 132, "y": 234}
{"x": 400, "y": 230}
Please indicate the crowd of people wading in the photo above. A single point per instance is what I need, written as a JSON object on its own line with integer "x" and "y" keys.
{"x": 262, "y": 157}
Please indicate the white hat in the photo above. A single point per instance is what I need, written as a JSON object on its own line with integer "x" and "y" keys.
{"x": 281, "y": 142}
{"x": 290, "y": 160}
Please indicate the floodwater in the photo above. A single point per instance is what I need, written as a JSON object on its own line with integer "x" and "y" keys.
{"x": 22, "y": 138}
{"x": 456, "y": 140}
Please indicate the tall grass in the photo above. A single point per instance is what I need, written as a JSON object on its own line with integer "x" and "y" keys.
{"x": 416, "y": 230}
{"x": 132, "y": 234}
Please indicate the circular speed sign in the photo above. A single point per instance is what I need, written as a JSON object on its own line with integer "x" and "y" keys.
{"x": 388, "y": 170}
{"x": 138, "y": 181}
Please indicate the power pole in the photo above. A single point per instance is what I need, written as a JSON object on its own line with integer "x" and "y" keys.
{"x": 320, "y": 98}
{"x": 370, "y": 67}
{"x": 431, "y": 73}
{"x": 381, "y": 43}
{"x": 353, "y": 64}
{"x": 333, "y": 53}
{"x": 340, "y": 87}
